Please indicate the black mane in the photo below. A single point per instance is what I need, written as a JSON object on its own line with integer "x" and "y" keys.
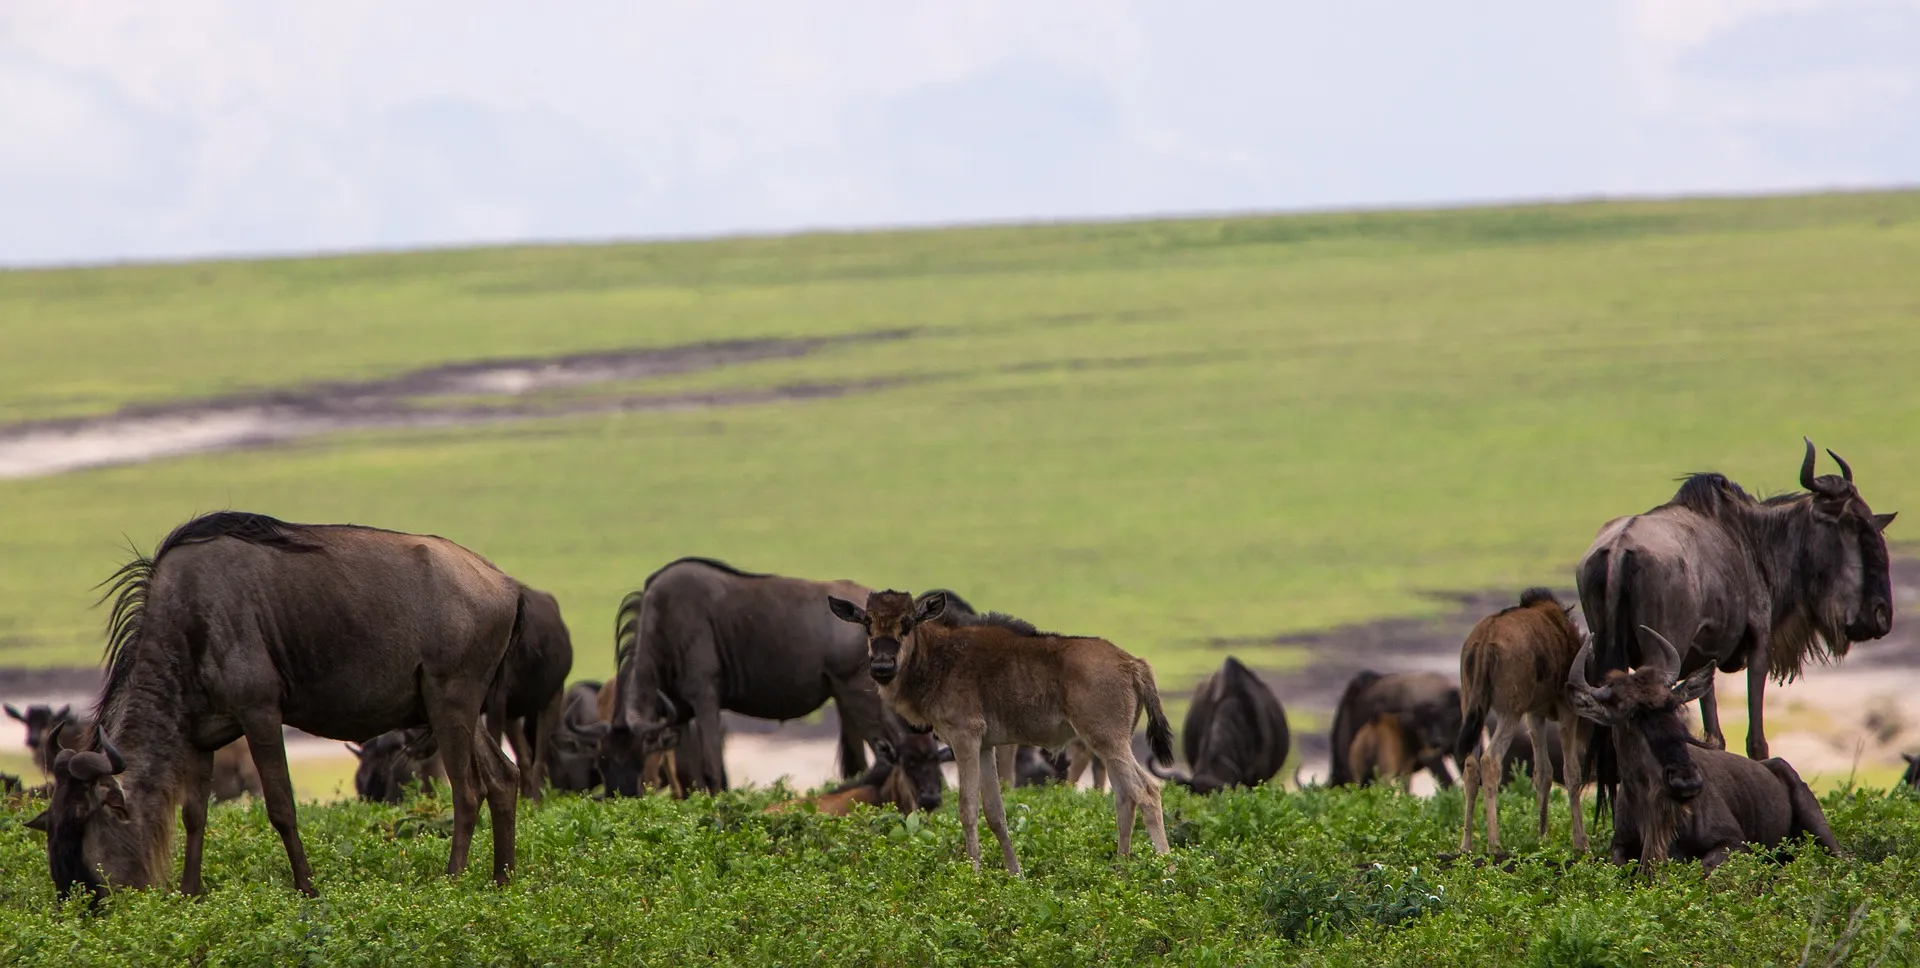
{"x": 1536, "y": 595}
{"x": 129, "y": 585}
{"x": 713, "y": 563}
{"x": 1705, "y": 492}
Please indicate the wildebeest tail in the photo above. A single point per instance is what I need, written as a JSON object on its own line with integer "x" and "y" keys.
{"x": 1159, "y": 731}
{"x": 496, "y": 704}
{"x": 1613, "y": 639}
{"x": 1476, "y": 697}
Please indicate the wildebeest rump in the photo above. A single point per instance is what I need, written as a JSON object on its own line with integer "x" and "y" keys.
{"x": 393, "y": 762}
{"x": 1513, "y": 672}
{"x": 1741, "y": 583}
{"x": 1675, "y": 797}
{"x": 1235, "y": 732}
{"x": 1426, "y": 704}
{"x": 525, "y": 701}
{"x": 713, "y": 637}
{"x": 991, "y": 685}
{"x": 240, "y": 624}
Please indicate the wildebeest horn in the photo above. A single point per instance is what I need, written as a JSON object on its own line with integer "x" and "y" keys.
{"x": 1845, "y": 471}
{"x": 1669, "y": 656}
{"x": 118, "y": 762}
{"x": 1577, "y": 674}
{"x": 1806, "y": 466}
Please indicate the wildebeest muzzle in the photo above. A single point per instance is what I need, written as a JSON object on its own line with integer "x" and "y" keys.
{"x": 883, "y": 659}
{"x": 1874, "y": 622}
{"x": 1684, "y": 782}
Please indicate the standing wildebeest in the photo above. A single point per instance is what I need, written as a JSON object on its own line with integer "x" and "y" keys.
{"x": 1426, "y": 704}
{"x": 712, "y": 637}
{"x": 240, "y": 624}
{"x": 1742, "y": 583}
{"x": 40, "y": 721}
{"x": 1513, "y": 670}
{"x": 983, "y": 686}
{"x": 1676, "y": 797}
{"x": 390, "y": 763}
{"x": 1235, "y": 733}
{"x": 526, "y": 699}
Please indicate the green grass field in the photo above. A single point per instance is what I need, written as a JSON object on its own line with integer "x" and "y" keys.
{"x": 1166, "y": 433}
{"x": 1260, "y": 877}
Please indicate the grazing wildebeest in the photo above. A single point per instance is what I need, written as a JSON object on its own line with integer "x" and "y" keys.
{"x": 1235, "y": 733}
{"x": 907, "y": 777}
{"x": 392, "y": 762}
{"x": 1741, "y": 583}
{"x": 525, "y": 701}
{"x": 573, "y": 764}
{"x": 630, "y": 764}
{"x": 713, "y": 637}
{"x": 1385, "y": 751}
{"x": 1513, "y": 670}
{"x": 989, "y": 685}
{"x": 40, "y": 720}
{"x": 1426, "y": 704}
{"x": 240, "y": 624}
{"x": 1912, "y": 778}
{"x": 1676, "y": 797}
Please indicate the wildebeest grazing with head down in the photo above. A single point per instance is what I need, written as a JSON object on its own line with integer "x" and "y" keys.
{"x": 1235, "y": 733}
{"x": 631, "y": 763}
{"x": 1678, "y": 798}
{"x": 1424, "y": 704}
{"x": 526, "y": 699}
{"x": 712, "y": 637}
{"x": 989, "y": 685}
{"x": 1513, "y": 672}
{"x": 240, "y": 624}
{"x": 572, "y": 763}
{"x": 394, "y": 762}
{"x": 1742, "y": 583}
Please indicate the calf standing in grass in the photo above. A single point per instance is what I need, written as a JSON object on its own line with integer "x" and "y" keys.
{"x": 1384, "y": 750}
{"x": 982, "y": 686}
{"x": 1678, "y": 796}
{"x": 1512, "y": 668}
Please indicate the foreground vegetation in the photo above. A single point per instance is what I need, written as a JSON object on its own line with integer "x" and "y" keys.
{"x": 1269, "y": 877}
{"x": 1168, "y": 433}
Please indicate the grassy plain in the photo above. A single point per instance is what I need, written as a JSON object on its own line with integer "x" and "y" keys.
{"x": 1261, "y": 877}
{"x": 1171, "y": 433}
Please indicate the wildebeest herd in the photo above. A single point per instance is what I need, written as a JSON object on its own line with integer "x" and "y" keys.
{"x": 424, "y": 657}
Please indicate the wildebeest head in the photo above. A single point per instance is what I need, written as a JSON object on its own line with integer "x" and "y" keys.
{"x": 889, "y": 617}
{"x": 625, "y": 746}
{"x": 912, "y": 765}
{"x": 87, "y": 822}
{"x": 40, "y": 720}
{"x": 389, "y": 764}
{"x": 1643, "y": 707}
{"x": 1847, "y": 546}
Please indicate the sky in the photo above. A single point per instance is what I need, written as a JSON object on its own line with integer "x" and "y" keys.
{"x": 138, "y": 130}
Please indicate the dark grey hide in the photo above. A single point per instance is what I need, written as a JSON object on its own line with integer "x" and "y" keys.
{"x": 1741, "y": 583}
{"x": 1677, "y": 799}
{"x": 1912, "y": 778}
{"x": 712, "y": 637}
{"x": 1427, "y": 704}
{"x": 525, "y": 701}
{"x": 240, "y": 624}
{"x": 573, "y": 764}
{"x": 1235, "y": 733}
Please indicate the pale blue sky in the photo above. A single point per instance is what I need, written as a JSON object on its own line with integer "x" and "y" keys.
{"x": 134, "y": 130}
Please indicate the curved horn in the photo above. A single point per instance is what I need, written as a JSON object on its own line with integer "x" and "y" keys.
{"x": 113, "y": 755}
{"x": 1577, "y": 675}
{"x": 1845, "y": 471}
{"x": 1669, "y": 656}
{"x": 1806, "y": 466}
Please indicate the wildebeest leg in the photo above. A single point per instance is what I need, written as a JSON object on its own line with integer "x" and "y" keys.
{"x": 1571, "y": 728}
{"x": 193, "y": 816}
{"x": 276, "y": 785}
{"x": 1469, "y": 782}
{"x": 1132, "y": 786}
{"x": 1496, "y": 754}
{"x": 966, "y": 762}
{"x": 545, "y": 724}
{"x": 1756, "y": 697}
{"x": 712, "y": 768}
{"x": 1710, "y": 719}
{"x": 516, "y": 735}
{"x": 1807, "y": 815}
{"x": 455, "y": 719}
{"x": 503, "y": 795}
{"x": 997, "y": 814}
{"x": 1542, "y": 767}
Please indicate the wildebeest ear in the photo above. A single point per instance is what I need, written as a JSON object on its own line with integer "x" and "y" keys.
{"x": 15, "y": 713}
{"x": 884, "y": 749}
{"x": 946, "y": 754}
{"x": 1587, "y": 704}
{"x": 847, "y": 611}
{"x": 41, "y": 821}
{"x": 1694, "y": 686}
{"x": 930, "y": 607}
{"x": 1880, "y": 521}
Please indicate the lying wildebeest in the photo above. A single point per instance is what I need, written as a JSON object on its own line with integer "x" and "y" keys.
{"x": 630, "y": 764}
{"x": 1513, "y": 670}
{"x": 908, "y": 777}
{"x": 1384, "y": 751}
{"x": 240, "y": 624}
{"x": 712, "y": 637}
{"x": 525, "y": 700}
{"x": 1235, "y": 733}
{"x": 40, "y": 720}
{"x": 573, "y": 763}
{"x": 1020, "y": 765}
{"x": 392, "y": 762}
{"x": 1741, "y": 583}
{"x": 989, "y": 685}
{"x": 1678, "y": 798}
{"x": 1426, "y": 704}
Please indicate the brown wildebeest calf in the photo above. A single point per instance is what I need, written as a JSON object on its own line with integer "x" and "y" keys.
{"x": 1677, "y": 795}
{"x": 1512, "y": 669}
{"x": 1384, "y": 750}
{"x": 907, "y": 777}
{"x": 982, "y": 686}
